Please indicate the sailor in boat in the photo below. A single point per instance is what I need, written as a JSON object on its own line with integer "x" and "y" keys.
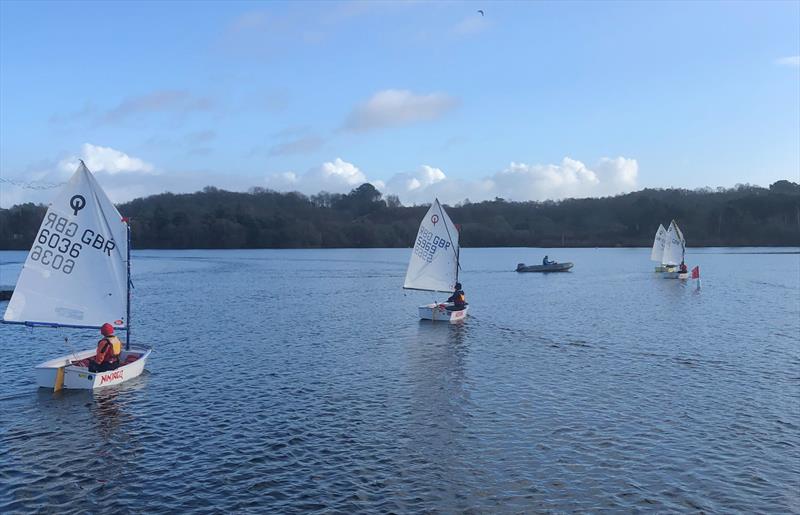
{"x": 684, "y": 269}
{"x": 458, "y": 299}
{"x": 108, "y": 351}
{"x": 547, "y": 261}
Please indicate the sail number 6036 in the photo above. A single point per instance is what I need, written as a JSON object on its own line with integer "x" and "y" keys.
{"x": 60, "y": 243}
{"x": 55, "y": 251}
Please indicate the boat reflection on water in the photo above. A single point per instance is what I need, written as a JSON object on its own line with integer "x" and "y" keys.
{"x": 107, "y": 414}
{"x": 438, "y": 355}
{"x": 92, "y": 435}
{"x": 440, "y": 410}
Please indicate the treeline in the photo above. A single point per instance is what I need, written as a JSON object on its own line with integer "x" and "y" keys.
{"x": 260, "y": 218}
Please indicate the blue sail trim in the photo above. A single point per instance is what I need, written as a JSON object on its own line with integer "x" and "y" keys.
{"x": 55, "y": 326}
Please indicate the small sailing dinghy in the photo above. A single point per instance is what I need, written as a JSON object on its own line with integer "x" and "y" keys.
{"x": 674, "y": 253}
{"x": 77, "y": 275}
{"x": 434, "y": 264}
{"x": 658, "y": 247}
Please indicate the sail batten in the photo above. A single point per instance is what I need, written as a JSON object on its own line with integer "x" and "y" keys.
{"x": 433, "y": 265}
{"x": 75, "y": 274}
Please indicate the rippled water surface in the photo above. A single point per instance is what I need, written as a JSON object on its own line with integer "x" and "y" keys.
{"x": 301, "y": 380}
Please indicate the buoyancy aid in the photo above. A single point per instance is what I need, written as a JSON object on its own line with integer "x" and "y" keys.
{"x": 108, "y": 349}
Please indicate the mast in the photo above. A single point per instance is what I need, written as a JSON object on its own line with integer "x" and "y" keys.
{"x": 458, "y": 265}
{"x": 128, "y": 303}
{"x": 458, "y": 253}
{"x": 457, "y": 250}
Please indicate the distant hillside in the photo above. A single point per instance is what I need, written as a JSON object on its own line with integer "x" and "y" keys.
{"x": 213, "y": 218}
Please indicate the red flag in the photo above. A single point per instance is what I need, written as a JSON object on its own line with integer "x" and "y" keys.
{"x": 696, "y": 272}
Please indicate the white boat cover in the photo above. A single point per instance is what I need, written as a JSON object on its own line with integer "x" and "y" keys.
{"x": 658, "y": 244}
{"x": 434, "y": 261}
{"x": 674, "y": 247}
{"x": 75, "y": 273}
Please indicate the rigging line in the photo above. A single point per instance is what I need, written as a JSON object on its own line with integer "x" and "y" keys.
{"x": 32, "y": 185}
{"x": 71, "y": 348}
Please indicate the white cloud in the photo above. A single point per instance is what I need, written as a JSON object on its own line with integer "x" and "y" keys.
{"x": 122, "y": 177}
{"x": 394, "y": 108}
{"x": 621, "y": 173}
{"x": 125, "y": 177}
{"x": 337, "y": 176}
{"x": 521, "y": 181}
{"x": 105, "y": 159}
{"x": 518, "y": 181}
{"x": 424, "y": 177}
{"x": 792, "y": 61}
{"x": 338, "y": 172}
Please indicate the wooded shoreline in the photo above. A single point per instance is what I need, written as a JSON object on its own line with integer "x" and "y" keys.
{"x": 743, "y": 216}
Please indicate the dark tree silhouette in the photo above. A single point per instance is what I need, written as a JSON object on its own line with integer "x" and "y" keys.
{"x": 261, "y": 218}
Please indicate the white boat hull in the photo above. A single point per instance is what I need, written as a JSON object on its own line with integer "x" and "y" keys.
{"x": 675, "y": 275}
{"x": 439, "y": 312}
{"x": 79, "y": 378}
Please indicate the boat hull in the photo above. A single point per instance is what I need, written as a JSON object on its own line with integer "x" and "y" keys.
{"x": 440, "y": 313}
{"x": 558, "y": 267}
{"x": 79, "y": 377}
{"x": 675, "y": 275}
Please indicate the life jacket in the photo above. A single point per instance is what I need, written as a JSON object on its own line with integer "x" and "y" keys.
{"x": 110, "y": 348}
{"x": 459, "y": 299}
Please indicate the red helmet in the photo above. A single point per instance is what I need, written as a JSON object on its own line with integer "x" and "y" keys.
{"x": 107, "y": 329}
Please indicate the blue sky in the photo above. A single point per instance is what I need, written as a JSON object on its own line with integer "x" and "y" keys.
{"x": 533, "y": 100}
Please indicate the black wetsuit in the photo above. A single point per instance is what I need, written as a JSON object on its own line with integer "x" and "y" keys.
{"x": 458, "y": 299}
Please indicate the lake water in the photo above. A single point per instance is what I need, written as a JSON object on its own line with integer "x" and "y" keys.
{"x": 302, "y": 380}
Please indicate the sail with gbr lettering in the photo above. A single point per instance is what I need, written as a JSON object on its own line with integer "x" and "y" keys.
{"x": 658, "y": 244}
{"x": 674, "y": 247}
{"x": 76, "y": 272}
{"x": 434, "y": 261}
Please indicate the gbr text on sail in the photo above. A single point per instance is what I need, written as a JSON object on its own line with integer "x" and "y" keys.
{"x": 60, "y": 242}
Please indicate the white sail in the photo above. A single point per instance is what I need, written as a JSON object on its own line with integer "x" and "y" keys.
{"x": 658, "y": 244}
{"x": 76, "y": 271}
{"x": 674, "y": 246}
{"x": 434, "y": 260}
